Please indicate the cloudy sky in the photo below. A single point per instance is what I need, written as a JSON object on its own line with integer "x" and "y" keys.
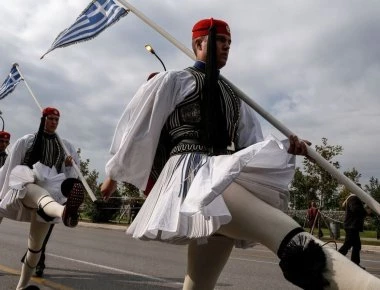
{"x": 314, "y": 65}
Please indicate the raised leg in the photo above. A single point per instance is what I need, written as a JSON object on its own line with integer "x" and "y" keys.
{"x": 304, "y": 260}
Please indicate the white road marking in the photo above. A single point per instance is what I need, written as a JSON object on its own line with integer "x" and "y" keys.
{"x": 115, "y": 269}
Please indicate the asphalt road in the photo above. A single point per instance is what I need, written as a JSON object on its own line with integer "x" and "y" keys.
{"x": 106, "y": 258}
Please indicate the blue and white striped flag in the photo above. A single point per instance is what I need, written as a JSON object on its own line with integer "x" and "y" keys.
{"x": 10, "y": 82}
{"x": 98, "y": 15}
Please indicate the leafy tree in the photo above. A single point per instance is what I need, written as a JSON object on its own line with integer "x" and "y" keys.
{"x": 354, "y": 175}
{"x": 129, "y": 190}
{"x": 373, "y": 188}
{"x": 133, "y": 198}
{"x": 98, "y": 211}
{"x": 91, "y": 178}
{"x": 315, "y": 183}
{"x": 302, "y": 191}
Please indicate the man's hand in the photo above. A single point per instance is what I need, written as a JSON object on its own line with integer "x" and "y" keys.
{"x": 108, "y": 187}
{"x": 69, "y": 161}
{"x": 298, "y": 146}
{"x": 367, "y": 209}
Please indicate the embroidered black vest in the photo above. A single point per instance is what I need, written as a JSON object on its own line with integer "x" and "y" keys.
{"x": 184, "y": 125}
{"x": 52, "y": 152}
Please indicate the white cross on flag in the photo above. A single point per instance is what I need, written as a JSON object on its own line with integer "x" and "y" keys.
{"x": 10, "y": 82}
{"x": 99, "y": 15}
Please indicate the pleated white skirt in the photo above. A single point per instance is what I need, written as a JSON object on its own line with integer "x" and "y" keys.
{"x": 186, "y": 202}
{"x": 11, "y": 205}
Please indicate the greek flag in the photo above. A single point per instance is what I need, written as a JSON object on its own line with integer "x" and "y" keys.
{"x": 10, "y": 82}
{"x": 98, "y": 15}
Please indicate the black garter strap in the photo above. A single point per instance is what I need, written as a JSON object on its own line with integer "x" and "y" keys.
{"x": 41, "y": 212}
{"x": 289, "y": 236}
{"x": 25, "y": 260}
{"x": 33, "y": 251}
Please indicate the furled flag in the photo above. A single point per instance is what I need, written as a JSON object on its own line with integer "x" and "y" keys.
{"x": 10, "y": 82}
{"x": 98, "y": 15}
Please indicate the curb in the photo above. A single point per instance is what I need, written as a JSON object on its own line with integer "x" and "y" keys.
{"x": 103, "y": 226}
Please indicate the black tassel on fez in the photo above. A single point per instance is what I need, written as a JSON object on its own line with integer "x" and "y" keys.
{"x": 303, "y": 263}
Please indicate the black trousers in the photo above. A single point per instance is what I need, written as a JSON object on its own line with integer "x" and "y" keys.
{"x": 352, "y": 239}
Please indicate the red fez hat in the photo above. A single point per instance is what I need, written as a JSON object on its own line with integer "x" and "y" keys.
{"x": 201, "y": 27}
{"x": 50, "y": 111}
{"x": 152, "y": 75}
{"x": 5, "y": 135}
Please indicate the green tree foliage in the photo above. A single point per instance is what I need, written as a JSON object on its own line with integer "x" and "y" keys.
{"x": 315, "y": 183}
{"x": 355, "y": 176}
{"x": 301, "y": 192}
{"x": 373, "y": 188}
{"x": 129, "y": 190}
{"x": 100, "y": 210}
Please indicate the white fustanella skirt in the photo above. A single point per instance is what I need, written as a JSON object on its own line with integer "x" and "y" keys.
{"x": 186, "y": 202}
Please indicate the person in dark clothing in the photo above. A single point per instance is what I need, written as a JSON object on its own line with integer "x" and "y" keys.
{"x": 313, "y": 217}
{"x": 353, "y": 225}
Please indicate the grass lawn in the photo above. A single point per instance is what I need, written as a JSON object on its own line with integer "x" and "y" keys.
{"x": 367, "y": 237}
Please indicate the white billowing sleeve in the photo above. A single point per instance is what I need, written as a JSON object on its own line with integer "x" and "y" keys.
{"x": 16, "y": 156}
{"x": 139, "y": 128}
{"x": 249, "y": 129}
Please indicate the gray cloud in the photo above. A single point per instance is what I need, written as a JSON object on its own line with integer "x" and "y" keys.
{"x": 313, "y": 65}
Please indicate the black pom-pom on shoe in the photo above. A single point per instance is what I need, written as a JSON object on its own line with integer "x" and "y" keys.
{"x": 303, "y": 263}
{"x": 32, "y": 287}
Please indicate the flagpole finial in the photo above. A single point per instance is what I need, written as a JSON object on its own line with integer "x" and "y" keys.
{"x": 15, "y": 64}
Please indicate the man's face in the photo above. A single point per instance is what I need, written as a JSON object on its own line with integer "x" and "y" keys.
{"x": 223, "y": 43}
{"x": 3, "y": 144}
{"x": 51, "y": 123}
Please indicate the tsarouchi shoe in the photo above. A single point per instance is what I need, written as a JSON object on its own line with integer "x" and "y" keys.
{"x": 74, "y": 200}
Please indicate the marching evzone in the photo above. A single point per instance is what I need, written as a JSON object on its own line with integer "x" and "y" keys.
{"x": 37, "y": 178}
{"x": 221, "y": 184}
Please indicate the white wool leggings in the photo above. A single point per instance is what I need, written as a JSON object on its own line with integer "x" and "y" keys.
{"x": 36, "y": 196}
{"x": 255, "y": 220}
{"x": 37, "y": 234}
{"x": 252, "y": 219}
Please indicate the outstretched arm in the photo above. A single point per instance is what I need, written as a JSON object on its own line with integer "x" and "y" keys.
{"x": 108, "y": 187}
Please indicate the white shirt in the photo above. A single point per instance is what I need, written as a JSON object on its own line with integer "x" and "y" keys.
{"x": 137, "y": 133}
